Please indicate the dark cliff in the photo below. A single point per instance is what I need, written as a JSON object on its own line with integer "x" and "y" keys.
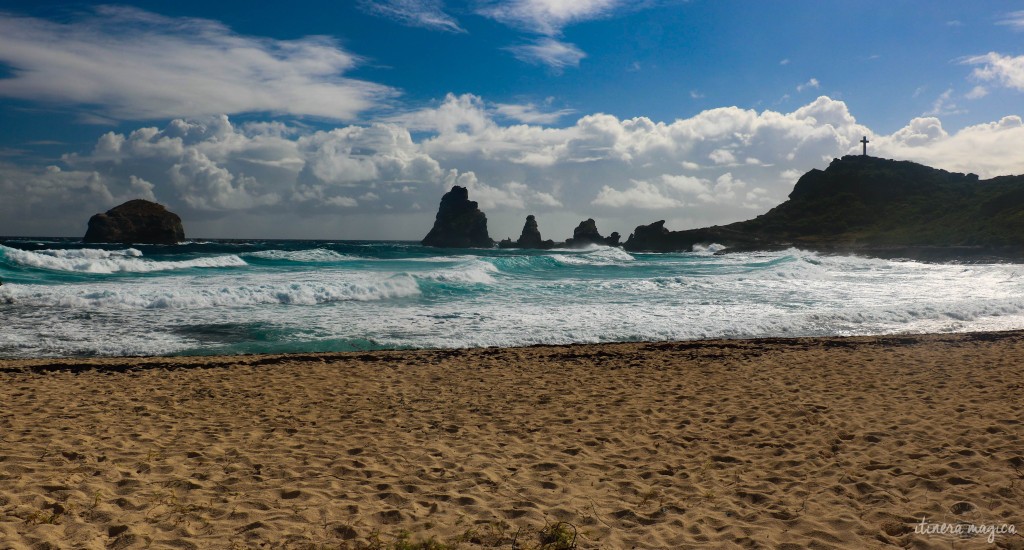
{"x": 875, "y": 206}
{"x": 529, "y": 238}
{"x": 586, "y": 234}
{"x": 459, "y": 223}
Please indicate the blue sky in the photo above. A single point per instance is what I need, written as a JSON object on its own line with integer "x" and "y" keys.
{"x": 350, "y": 119}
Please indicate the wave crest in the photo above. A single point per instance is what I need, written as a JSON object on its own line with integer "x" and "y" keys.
{"x": 315, "y": 255}
{"x": 106, "y": 261}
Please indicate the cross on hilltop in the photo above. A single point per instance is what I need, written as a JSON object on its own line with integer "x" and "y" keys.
{"x": 865, "y": 141}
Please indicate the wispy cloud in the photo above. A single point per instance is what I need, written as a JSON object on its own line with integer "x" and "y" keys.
{"x": 530, "y": 114}
{"x": 944, "y": 105}
{"x": 129, "y": 64}
{"x": 1003, "y": 70}
{"x": 977, "y": 92}
{"x": 550, "y": 52}
{"x": 428, "y": 14}
{"x": 547, "y": 17}
{"x": 810, "y": 84}
{"x": 1014, "y": 20}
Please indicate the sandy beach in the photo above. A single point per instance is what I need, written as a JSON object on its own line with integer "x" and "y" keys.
{"x": 871, "y": 442}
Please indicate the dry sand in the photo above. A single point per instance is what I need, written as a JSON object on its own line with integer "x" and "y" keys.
{"x": 804, "y": 443}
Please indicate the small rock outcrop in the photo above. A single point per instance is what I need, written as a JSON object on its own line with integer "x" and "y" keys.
{"x": 586, "y": 234}
{"x": 136, "y": 222}
{"x": 459, "y": 223}
{"x": 530, "y": 238}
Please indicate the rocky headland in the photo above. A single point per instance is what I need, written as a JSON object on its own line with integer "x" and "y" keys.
{"x": 135, "y": 222}
{"x": 876, "y": 207}
{"x": 857, "y": 205}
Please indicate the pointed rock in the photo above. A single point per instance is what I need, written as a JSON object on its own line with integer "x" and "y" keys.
{"x": 459, "y": 223}
{"x": 530, "y": 238}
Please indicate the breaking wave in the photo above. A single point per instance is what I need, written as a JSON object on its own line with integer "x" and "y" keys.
{"x": 105, "y": 261}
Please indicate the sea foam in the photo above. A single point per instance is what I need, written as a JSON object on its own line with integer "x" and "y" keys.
{"x": 106, "y": 262}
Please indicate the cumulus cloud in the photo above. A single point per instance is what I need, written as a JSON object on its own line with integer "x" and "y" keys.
{"x": 385, "y": 180}
{"x": 989, "y": 150}
{"x": 428, "y": 14}
{"x": 1001, "y": 70}
{"x": 129, "y": 64}
{"x": 640, "y": 194}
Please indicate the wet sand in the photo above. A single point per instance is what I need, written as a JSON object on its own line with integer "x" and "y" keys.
{"x": 795, "y": 443}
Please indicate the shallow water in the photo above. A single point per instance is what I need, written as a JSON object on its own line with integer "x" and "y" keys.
{"x": 62, "y": 298}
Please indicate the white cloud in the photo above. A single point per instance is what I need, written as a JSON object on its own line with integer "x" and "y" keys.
{"x": 920, "y": 131}
{"x": 530, "y": 113}
{"x": 546, "y": 17}
{"x": 464, "y": 113}
{"x": 989, "y": 150}
{"x": 1014, "y": 20}
{"x": 722, "y": 156}
{"x": 641, "y": 194}
{"x": 944, "y": 105}
{"x": 342, "y": 201}
{"x": 128, "y": 64}
{"x": 377, "y": 181}
{"x": 784, "y": 62}
{"x": 977, "y": 92}
{"x": 548, "y": 51}
{"x": 810, "y": 84}
{"x": 1003, "y": 70}
{"x": 414, "y": 13}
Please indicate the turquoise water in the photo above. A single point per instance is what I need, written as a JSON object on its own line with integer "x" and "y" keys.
{"x": 63, "y": 298}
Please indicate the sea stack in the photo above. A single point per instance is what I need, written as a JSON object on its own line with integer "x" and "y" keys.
{"x": 136, "y": 222}
{"x": 586, "y": 234}
{"x": 530, "y": 237}
{"x": 459, "y": 223}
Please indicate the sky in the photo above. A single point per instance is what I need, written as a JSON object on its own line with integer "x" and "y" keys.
{"x": 350, "y": 119}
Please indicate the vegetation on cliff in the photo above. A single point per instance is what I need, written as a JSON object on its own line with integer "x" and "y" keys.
{"x": 869, "y": 204}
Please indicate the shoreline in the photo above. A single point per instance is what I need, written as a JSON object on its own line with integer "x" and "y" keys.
{"x": 839, "y": 442}
{"x": 120, "y": 363}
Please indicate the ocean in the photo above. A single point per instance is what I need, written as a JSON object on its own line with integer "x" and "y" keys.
{"x": 61, "y": 298}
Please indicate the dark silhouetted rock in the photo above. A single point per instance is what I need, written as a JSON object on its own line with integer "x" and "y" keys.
{"x": 586, "y": 234}
{"x": 459, "y": 223}
{"x": 530, "y": 238}
{"x": 136, "y": 222}
{"x": 877, "y": 207}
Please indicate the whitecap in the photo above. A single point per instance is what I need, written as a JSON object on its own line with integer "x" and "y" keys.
{"x": 105, "y": 262}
